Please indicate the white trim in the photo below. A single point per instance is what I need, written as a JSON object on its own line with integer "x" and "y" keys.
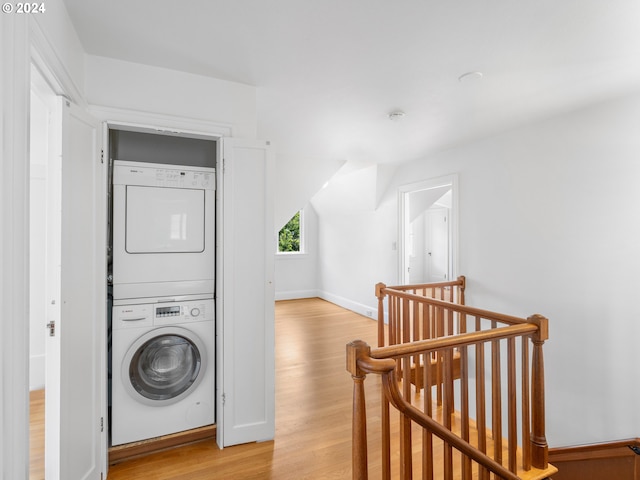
{"x": 291, "y": 255}
{"x": 359, "y": 308}
{"x": 136, "y": 119}
{"x": 297, "y": 294}
{"x": 45, "y": 58}
{"x": 453, "y": 218}
{"x": 14, "y": 246}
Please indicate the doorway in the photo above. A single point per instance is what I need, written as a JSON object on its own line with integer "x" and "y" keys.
{"x": 428, "y": 231}
{"x": 44, "y": 257}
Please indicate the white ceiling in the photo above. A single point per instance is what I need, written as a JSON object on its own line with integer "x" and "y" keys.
{"x": 328, "y": 72}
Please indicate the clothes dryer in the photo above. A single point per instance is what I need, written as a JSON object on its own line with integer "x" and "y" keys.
{"x": 163, "y": 369}
{"x": 163, "y": 231}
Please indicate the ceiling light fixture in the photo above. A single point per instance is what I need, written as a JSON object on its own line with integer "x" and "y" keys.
{"x": 397, "y": 115}
{"x": 470, "y": 76}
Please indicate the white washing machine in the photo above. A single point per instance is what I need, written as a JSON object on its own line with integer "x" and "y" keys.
{"x": 163, "y": 369}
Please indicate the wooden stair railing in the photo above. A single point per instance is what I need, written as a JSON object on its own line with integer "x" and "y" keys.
{"x": 409, "y": 321}
{"x": 452, "y": 291}
{"x": 484, "y": 375}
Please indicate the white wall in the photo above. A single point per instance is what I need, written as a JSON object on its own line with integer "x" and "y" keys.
{"x": 297, "y": 274}
{"x": 357, "y": 250}
{"x": 141, "y": 88}
{"x": 548, "y": 224}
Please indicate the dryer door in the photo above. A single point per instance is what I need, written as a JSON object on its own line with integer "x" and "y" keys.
{"x": 164, "y": 365}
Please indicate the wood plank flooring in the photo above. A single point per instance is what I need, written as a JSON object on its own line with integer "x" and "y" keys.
{"x": 36, "y": 435}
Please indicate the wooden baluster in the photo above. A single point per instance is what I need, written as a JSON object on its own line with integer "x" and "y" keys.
{"x": 452, "y": 377}
{"x": 380, "y": 295}
{"x": 356, "y": 350}
{"x": 427, "y": 436}
{"x": 405, "y": 423}
{"x": 461, "y": 289}
{"x": 481, "y": 406}
{"x": 464, "y": 409}
{"x": 398, "y": 320}
{"x": 448, "y": 410}
{"x": 415, "y": 320}
{"x": 438, "y": 333}
{"x": 391, "y": 304}
{"x": 406, "y": 450}
{"x": 512, "y": 407}
{"x": 496, "y": 398}
{"x": 540, "y": 453}
{"x": 386, "y": 437}
{"x": 526, "y": 406}
{"x": 406, "y": 338}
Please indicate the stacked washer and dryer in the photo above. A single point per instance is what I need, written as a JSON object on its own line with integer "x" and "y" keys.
{"x": 163, "y": 314}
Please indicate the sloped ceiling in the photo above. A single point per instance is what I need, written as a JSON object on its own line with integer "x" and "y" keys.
{"x": 329, "y": 72}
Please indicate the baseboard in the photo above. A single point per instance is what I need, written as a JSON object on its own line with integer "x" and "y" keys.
{"x": 364, "y": 310}
{"x": 128, "y": 451}
{"x": 296, "y": 294}
{"x": 611, "y": 460}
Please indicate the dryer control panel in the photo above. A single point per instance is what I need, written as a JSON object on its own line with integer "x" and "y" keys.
{"x": 173, "y": 313}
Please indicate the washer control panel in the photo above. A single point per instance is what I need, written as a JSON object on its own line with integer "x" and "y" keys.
{"x": 163, "y": 313}
{"x": 188, "y": 311}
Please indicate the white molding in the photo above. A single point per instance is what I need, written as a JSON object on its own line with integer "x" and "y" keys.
{"x": 136, "y": 119}
{"x": 14, "y": 244}
{"x": 359, "y": 308}
{"x": 297, "y": 294}
{"x": 45, "y": 58}
{"x": 428, "y": 184}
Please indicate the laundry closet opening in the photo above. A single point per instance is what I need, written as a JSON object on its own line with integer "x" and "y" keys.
{"x": 161, "y": 284}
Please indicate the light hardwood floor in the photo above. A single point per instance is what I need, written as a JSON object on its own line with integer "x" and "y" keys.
{"x": 36, "y": 435}
{"x": 313, "y": 408}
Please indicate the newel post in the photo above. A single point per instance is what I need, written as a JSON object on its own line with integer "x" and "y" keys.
{"x": 463, "y": 284}
{"x": 539, "y": 447}
{"x": 359, "y": 463}
{"x": 379, "y": 293}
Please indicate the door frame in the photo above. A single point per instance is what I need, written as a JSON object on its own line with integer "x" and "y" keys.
{"x": 403, "y": 220}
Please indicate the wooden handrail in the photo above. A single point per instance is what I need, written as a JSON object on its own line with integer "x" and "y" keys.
{"x": 442, "y": 343}
{"x": 499, "y": 317}
{"x": 365, "y": 363}
{"x": 432, "y": 342}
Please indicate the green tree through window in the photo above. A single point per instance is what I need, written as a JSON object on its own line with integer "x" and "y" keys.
{"x": 289, "y": 236}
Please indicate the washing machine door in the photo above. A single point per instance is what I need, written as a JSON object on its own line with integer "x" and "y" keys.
{"x": 164, "y": 365}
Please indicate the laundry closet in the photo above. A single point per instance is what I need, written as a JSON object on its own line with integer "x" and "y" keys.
{"x": 179, "y": 353}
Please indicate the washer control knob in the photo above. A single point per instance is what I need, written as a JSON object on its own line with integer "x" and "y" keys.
{"x": 195, "y": 312}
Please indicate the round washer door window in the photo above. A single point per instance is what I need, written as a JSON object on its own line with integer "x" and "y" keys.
{"x": 164, "y": 365}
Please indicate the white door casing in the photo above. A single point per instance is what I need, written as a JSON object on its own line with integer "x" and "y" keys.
{"x": 245, "y": 293}
{"x": 407, "y": 214}
{"x": 80, "y": 403}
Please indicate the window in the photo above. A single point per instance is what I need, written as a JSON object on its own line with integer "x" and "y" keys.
{"x": 290, "y": 238}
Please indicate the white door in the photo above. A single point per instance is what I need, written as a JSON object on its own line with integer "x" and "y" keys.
{"x": 75, "y": 440}
{"x": 437, "y": 239}
{"x": 245, "y": 326}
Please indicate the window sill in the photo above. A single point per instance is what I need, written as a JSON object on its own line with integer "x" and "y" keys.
{"x": 291, "y": 255}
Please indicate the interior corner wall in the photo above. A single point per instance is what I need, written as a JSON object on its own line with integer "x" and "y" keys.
{"x": 296, "y": 275}
{"x": 357, "y": 250}
{"x": 548, "y": 223}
